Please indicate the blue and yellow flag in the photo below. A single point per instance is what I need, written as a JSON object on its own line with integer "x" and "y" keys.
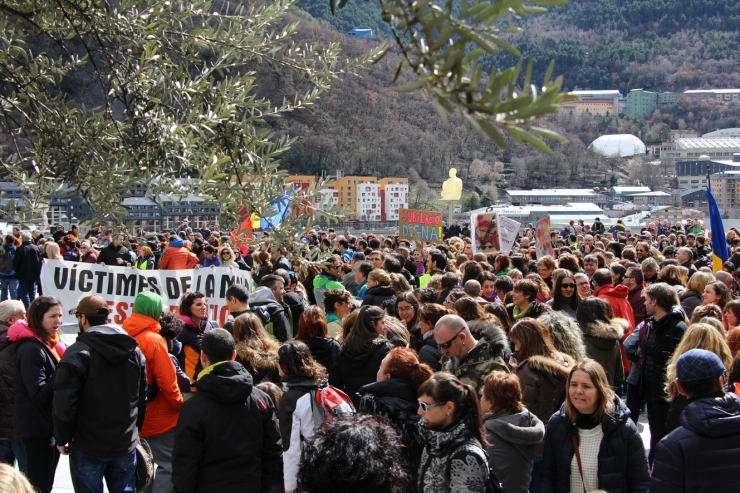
{"x": 719, "y": 242}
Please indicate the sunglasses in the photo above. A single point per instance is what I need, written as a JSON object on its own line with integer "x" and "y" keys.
{"x": 446, "y": 345}
{"x": 426, "y": 407}
{"x": 568, "y": 286}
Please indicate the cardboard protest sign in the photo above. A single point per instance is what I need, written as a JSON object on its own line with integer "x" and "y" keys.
{"x": 542, "y": 235}
{"x": 71, "y": 281}
{"x": 485, "y": 233}
{"x": 426, "y": 226}
{"x": 508, "y": 229}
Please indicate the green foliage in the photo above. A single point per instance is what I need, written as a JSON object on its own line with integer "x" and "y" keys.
{"x": 472, "y": 202}
{"x": 355, "y": 15}
{"x": 488, "y": 199}
{"x": 177, "y": 90}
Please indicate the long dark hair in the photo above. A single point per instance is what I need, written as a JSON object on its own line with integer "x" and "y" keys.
{"x": 411, "y": 299}
{"x": 534, "y": 339}
{"x": 35, "y": 315}
{"x": 557, "y": 295}
{"x": 499, "y": 310}
{"x": 445, "y": 387}
{"x": 593, "y": 310}
{"x": 363, "y": 334}
{"x": 296, "y": 359}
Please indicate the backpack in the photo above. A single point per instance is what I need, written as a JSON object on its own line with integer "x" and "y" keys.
{"x": 491, "y": 483}
{"x": 331, "y": 403}
{"x": 6, "y": 261}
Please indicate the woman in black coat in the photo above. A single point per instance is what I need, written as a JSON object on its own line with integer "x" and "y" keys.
{"x": 361, "y": 354}
{"x": 393, "y": 395}
{"x": 610, "y": 447}
{"x": 37, "y": 354}
{"x": 380, "y": 288}
{"x": 313, "y": 332}
{"x": 429, "y": 314}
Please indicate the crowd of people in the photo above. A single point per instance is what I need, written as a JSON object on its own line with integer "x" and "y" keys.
{"x": 383, "y": 366}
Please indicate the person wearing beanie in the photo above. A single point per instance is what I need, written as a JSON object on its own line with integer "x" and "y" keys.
{"x": 701, "y": 454}
{"x": 177, "y": 257}
{"x": 164, "y": 394}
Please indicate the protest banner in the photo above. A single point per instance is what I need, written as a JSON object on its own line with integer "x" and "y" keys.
{"x": 421, "y": 226}
{"x": 485, "y": 233}
{"x": 72, "y": 281}
{"x": 542, "y": 235}
{"x": 507, "y": 229}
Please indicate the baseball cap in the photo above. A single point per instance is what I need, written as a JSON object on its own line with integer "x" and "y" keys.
{"x": 91, "y": 306}
{"x": 699, "y": 364}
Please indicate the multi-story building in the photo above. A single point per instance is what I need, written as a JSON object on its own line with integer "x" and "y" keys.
{"x": 328, "y": 199}
{"x": 144, "y": 212}
{"x": 642, "y": 104}
{"x": 692, "y": 174}
{"x": 193, "y": 208}
{"x": 726, "y": 190}
{"x": 369, "y": 206}
{"x": 687, "y": 149}
{"x": 651, "y": 198}
{"x": 347, "y": 187}
{"x": 694, "y": 198}
{"x": 394, "y": 196}
{"x": 594, "y": 102}
{"x": 620, "y": 194}
{"x": 557, "y": 196}
{"x": 724, "y": 95}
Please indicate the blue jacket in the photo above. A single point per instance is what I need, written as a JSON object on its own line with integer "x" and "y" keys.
{"x": 9, "y": 249}
{"x": 701, "y": 455}
{"x": 208, "y": 262}
{"x": 622, "y": 463}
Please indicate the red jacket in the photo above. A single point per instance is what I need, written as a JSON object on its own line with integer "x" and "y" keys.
{"x": 616, "y": 296}
{"x": 161, "y": 413}
{"x": 175, "y": 258}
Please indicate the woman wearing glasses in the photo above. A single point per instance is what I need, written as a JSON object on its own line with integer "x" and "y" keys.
{"x": 393, "y": 395}
{"x": 453, "y": 459}
{"x": 226, "y": 257}
{"x": 565, "y": 296}
{"x": 407, "y": 308}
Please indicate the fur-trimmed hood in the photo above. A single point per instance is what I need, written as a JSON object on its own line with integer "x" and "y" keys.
{"x": 613, "y": 330}
{"x": 558, "y": 367}
{"x": 566, "y": 334}
{"x": 498, "y": 343}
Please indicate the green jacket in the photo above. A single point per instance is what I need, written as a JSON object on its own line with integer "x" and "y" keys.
{"x": 486, "y": 356}
{"x": 334, "y": 325}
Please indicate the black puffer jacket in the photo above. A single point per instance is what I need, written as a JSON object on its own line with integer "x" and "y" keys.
{"x": 396, "y": 399}
{"x": 701, "y": 455}
{"x": 429, "y": 352}
{"x": 622, "y": 462}
{"x": 656, "y": 347}
{"x": 27, "y": 262}
{"x": 352, "y": 371}
{"x": 33, "y": 396}
{"x": 7, "y": 372}
{"x": 324, "y": 350}
{"x": 690, "y": 299}
{"x": 376, "y": 295}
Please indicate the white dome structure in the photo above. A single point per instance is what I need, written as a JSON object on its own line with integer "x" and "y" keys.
{"x": 622, "y": 145}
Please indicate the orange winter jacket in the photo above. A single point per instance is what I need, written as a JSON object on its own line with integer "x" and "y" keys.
{"x": 175, "y": 258}
{"x": 162, "y": 412}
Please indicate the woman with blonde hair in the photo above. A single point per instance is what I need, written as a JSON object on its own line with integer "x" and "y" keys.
{"x": 13, "y": 481}
{"x": 256, "y": 350}
{"x": 261, "y": 265}
{"x": 226, "y": 257}
{"x": 591, "y": 443}
{"x": 691, "y": 298}
{"x": 699, "y": 336}
{"x": 53, "y": 252}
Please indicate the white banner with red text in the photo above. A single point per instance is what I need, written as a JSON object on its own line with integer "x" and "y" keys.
{"x": 72, "y": 281}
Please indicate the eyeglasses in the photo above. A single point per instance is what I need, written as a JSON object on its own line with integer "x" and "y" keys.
{"x": 446, "y": 345}
{"x": 426, "y": 407}
{"x": 404, "y": 309}
{"x": 568, "y": 286}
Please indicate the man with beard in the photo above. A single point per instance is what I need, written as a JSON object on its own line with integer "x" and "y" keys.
{"x": 469, "y": 359}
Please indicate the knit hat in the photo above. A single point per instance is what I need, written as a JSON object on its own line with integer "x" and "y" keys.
{"x": 149, "y": 304}
{"x": 177, "y": 242}
{"x": 699, "y": 364}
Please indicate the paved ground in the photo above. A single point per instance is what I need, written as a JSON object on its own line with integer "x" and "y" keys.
{"x": 63, "y": 481}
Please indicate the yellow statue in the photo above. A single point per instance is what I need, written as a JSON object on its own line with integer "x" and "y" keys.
{"x": 452, "y": 188}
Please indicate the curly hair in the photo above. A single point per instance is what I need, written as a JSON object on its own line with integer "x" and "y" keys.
{"x": 365, "y": 445}
{"x": 296, "y": 359}
{"x": 170, "y": 326}
{"x": 403, "y": 363}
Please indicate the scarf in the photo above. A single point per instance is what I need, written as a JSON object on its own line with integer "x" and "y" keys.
{"x": 522, "y": 313}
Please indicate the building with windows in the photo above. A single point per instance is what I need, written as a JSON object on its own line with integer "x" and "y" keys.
{"x": 555, "y": 196}
{"x": 647, "y": 199}
{"x": 692, "y": 174}
{"x": 642, "y": 104}
{"x": 394, "y": 195}
{"x": 724, "y": 95}
{"x": 369, "y": 205}
{"x": 144, "y": 212}
{"x": 724, "y": 132}
{"x": 693, "y": 198}
{"x": 620, "y": 194}
{"x": 191, "y": 207}
{"x": 726, "y": 190}
{"x": 715, "y": 148}
{"x": 594, "y": 102}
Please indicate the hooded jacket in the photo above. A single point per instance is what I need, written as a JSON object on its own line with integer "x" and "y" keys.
{"x": 177, "y": 257}
{"x": 636, "y": 298}
{"x": 351, "y": 371}
{"x": 321, "y": 283}
{"x": 429, "y": 352}
{"x": 324, "y": 350}
{"x": 278, "y": 325}
{"x": 602, "y": 344}
{"x": 27, "y": 262}
{"x": 486, "y": 356}
{"x": 514, "y": 440}
{"x": 227, "y": 439}
{"x": 397, "y": 400}
{"x": 297, "y": 423}
{"x": 109, "y": 254}
{"x": 690, "y": 299}
{"x": 701, "y": 455}
{"x": 100, "y": 393}
{"x": 543, "y": 383}
{"x": 33, "y": 391}
{"x": 622, "y": 462}
{"x": 7, "y": 376}
{"x": 452, "y": 461}
{"x": 191, "y": 337}
{"x": 162, "y": 411}
{"x": 616, "y": 296}
{"x": 656, "y": 348}
{"x": 376, "y": 295}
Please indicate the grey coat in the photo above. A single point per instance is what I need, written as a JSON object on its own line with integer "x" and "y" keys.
{"x": 514, "y": 440}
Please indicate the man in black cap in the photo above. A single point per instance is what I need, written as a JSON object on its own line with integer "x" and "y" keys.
{"x": 701, "y": 455}
{"x": 59, "y": 233}
{"x": 100, "y": 393}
